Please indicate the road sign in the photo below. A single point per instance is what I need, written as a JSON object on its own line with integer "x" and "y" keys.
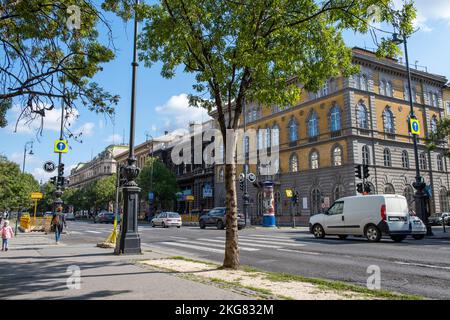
{"x": 251, "y": 177}
{"x": 61, "y": 146}
{"x": 36, "y": 195}
{"x": 289, "y": 193}
{"x": 242, "y": 177}
{"x": 415, "y": 126}
{"x": 189, "y": 198}
{"x": 151, "y": 196}
{"x": 49, "y": 166}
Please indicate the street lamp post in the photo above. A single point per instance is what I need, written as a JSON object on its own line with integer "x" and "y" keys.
{"x": 419, "y": 184}
{"x": 246, "y": 196}
{"x": 129, "y": 240}
{"x": 151, "y": 172}
{"x": 29, "y": 143}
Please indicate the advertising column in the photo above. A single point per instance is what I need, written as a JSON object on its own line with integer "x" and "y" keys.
{"x": 269, "y": 205}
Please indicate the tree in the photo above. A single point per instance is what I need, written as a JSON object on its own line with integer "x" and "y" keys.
{"x": 159, "y": 180}
{"x": 46, "y": 204}
{"x": 47, "y": 46}
{"x": 259, "y": 51}
{"x": 103, "y": 192}
{"x": 439, "y": 138}
{"x": 15, "y": 187}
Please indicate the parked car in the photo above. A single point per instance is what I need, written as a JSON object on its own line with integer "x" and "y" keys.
{"x": 48, "y": 214}
{"x": 167, "y": 219}
{"x": 445, "y": 217}
{"x": 371, "y": 216}
{"x": 216, "y": 217}
{"x": 70, "y": 216}
{"x": 105, "y": 217}
{"x": 418, "y": 228}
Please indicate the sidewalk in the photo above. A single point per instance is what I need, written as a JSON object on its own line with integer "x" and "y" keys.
{"x": 438, "y": 233}
{"x": 36, "y": 268}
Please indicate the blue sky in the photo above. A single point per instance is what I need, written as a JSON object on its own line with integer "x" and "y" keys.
{"x": 162, "y": 104}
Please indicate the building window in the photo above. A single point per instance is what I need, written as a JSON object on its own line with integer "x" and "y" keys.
{"x": 409, "y": 195}
{"x": 440, "y": 163}
{"x": 261, "y": 139}
{"x": 313, "y": 130}
{"x": 433, "y": 125}
{"x": 365, "y": 155}
{"x": 363, "y": 82}
{"x": 388, "y": 120}
{"x": 335, "y": 118}
{"x": 337, "y": 156}
{"x": 338, "y": 192}
{"x": 387, "y": 157}
{"x": 423, "y": 161}
{"x": 389, "y": 89}
{"x": 221, "y": 175}
{"x": 363, "y": 122}
{"x": 293, "y": 163}
{"x": 316, "y": 200}
{"x": 448, "y": 108}
{"x": 275, "y": 135}
{"x": 293, "y": 130}
{"x": 443, "y": 200}
{"x": 382, "y": 87}
{"x": 314, "y": 160}
{"x": 414, "y": 93}
{"x": 389, "y": 189}
{"x": 405, "y": 159}
{"x": 326, "y": 88}
{"x": 268, "y": 138}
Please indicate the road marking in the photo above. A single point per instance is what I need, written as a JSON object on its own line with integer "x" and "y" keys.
{"x": 182, "y": 238}
{"x": 185, "y": 245}
{"x": 268, "y": 237}
{"x": 96, "y": 232}
{"x": 422, "y": 265}
{"x": 299, "y": 251}
{"x": 74, "y": 232}
{"x": 222, "y": 245}
{"x": 243, "y": 242}
{"x": 278, "y": 242}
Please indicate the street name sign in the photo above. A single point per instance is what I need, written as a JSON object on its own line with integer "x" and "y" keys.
{"x": 61, "y": 146}
{"x": 36, "y": 195}
{"x": 49, "y": 166}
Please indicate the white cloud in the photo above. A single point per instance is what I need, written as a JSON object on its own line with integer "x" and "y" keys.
{"x": 86, "y": 129}
{"x": 40, "y": 174}
{"x": 428, "y": 11}
{"x": 114, "y": 139}
{"x": 176, "y": 112}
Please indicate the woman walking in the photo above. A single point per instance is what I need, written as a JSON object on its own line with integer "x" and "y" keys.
{"x": 57, "y": 225}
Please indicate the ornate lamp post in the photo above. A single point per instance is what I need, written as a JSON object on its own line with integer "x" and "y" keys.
{"x": 129, "y": 240}
{"x": 419, "y": 184}
{"x": 25, "y": 149}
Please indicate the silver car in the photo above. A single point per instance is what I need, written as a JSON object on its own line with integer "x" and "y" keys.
{"x": 167, "y": 219}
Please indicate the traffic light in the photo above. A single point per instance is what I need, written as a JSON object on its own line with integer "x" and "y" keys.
{"x": 359, "y": 187}
{"x": 295, "y": 198}
{"x": 367, "y": 188}
{"x": 241, "y": 185}
{"x": 61, "y": 169}
{"x": 358, "y": 172}
{"x": 366, "y": 173}
{"x": 53, "y": 180}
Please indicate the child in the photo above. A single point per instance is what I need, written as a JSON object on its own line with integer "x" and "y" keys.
{"x": 7, "y": 233}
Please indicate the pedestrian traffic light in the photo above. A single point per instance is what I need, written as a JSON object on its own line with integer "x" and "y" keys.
{"x": 295, "y": 198}
{"x": 367, "y": 188}
{"x": 359, "y": 187}
{"x": 358, "y": 172}
{"x": 53, "y": 180}
{"x": 366, "y": 173}
{"x": 241, "y": 185}
{"x": 61, "y": 169}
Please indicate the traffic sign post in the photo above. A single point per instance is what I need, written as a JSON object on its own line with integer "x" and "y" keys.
{"x": 414, "y": 126}
{"x": 61, "y": 146}
{"x": 36, "y": 196}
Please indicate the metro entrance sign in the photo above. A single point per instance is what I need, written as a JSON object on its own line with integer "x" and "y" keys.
{"x": 61, "y": 146}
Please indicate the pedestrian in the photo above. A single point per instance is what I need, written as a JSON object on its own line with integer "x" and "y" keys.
{"x": 7, "y": 233}
{"x": 57, "y": 226}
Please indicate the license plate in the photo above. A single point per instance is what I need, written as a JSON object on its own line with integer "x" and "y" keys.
{"x": 416, "y": 222}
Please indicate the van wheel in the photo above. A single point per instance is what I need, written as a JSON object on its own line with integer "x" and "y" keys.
{"x": 318, "y": 231}
{"x": 418, "y": 236}
{"x": 372, "y": 233}
{"x": 343, "y": 236}
{"x": 398, "y": 238}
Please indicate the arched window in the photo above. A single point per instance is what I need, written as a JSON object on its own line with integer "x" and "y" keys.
{"x": 433, "y": 125}
{"x": 313, "y": 130}
{"x": 314, "y": 160}
{"x": 388, "y": 120}
{"x": 337, "y": 156}
{"x": 389, "y": 89}
{"x": 364, "y": 82}
{"x": 275, "y": 135}
{"x": 387, "y": 157}
{"x": 409, "y": 195}
{"x": 405, "y": 159}
{"x": 365, "y": 155}
{"x": 326, "y": 88}
{"x": 443, "y": 200}
{"x": 338, "y": 192}
{"x": 389, "y": 189}
{"x": 440, "y": 163}
{"x": 335, "y": 118}
{"x": 316, "y": 199}
{"x": 293, "y": 130}
{"x": 423, "y": 161}
{"x": 363, "y": 122}
{"x": 293, "y": 163}
{"x": 383, "y": 87}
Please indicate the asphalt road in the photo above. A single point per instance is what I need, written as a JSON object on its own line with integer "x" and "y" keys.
{"x": 413, "y": 267}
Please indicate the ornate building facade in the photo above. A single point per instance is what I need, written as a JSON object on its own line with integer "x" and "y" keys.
{"x": 358, "y": 120}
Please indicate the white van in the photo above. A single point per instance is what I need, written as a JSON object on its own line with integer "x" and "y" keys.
{"x": 370, "y": 216}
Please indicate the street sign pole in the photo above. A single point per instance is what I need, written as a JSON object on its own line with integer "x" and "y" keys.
{"x": 35, "y": 208}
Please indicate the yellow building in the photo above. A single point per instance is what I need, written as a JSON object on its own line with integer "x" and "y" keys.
{"x": 358, "y": 120}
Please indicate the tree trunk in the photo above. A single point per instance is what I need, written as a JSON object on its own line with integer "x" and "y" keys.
{"x": 231, "y": 260}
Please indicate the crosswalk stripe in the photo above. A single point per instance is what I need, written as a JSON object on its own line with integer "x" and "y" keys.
{"x": 245, "y": 243}
{"x": 268, "y": 237}
{"x": 291, "y": 242}
{"x": 91, "y": 231}
{"x": 174, "y": 237}
{"x": 185, "y": 245}
{"x": 74, "y": 232}
{"x": 301, "y": 252}
{"x": 222, "y": 245}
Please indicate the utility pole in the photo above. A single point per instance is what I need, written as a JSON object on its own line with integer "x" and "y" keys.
{"x": 129, "y": 240}
{"x": 58, "y": 202}
{"x": 246, "y": 196}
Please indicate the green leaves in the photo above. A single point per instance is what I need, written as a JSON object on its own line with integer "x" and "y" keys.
{"x": 441, "y": 136}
